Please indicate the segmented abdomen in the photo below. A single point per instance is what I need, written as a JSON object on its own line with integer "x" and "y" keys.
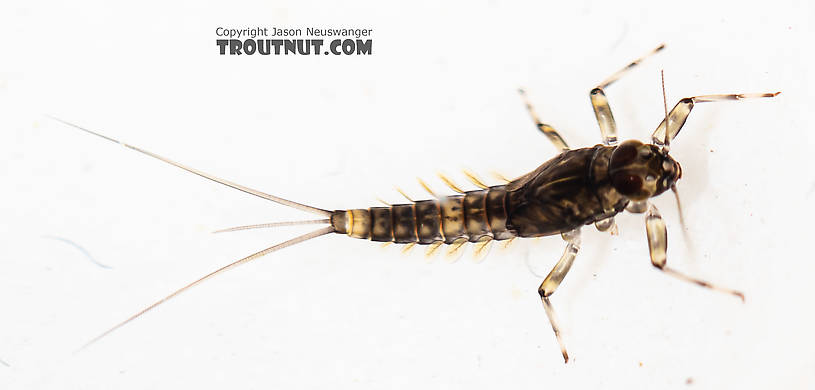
{"x": 472, "y": 216}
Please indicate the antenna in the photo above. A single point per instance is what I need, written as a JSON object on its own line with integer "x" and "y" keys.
{"x": 666, "y": 143}
{"x": 666, "y": 147}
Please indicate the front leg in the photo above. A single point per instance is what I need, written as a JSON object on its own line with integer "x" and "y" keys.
{"x": 679, "y": 114}
{"x": 658, "y": 247}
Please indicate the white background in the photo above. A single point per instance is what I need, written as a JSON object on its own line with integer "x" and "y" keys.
{"x": 438, "y": 94}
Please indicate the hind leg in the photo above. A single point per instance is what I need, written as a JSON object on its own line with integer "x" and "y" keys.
{"x": 547, "y": 130}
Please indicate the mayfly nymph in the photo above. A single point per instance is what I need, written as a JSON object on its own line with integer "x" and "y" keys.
{"x": 575, "y": 188}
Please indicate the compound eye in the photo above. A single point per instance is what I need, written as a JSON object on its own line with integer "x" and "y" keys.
{"x": 624, "y": 154}
{"x": 628, "y": 185}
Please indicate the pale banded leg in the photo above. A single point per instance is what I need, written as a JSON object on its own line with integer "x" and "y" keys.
{"x": 608, "y": 127}
{"x": 607, "y": 225}
{"x": 547, "y": 130}
{"x": 658, "y": 246}
{"x": 552, "y": 281}
{"x": 679, "y": 114}
{"x": 637, "y": 206}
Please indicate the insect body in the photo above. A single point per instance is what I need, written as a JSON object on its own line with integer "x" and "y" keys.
{"x": 575, "y": 188}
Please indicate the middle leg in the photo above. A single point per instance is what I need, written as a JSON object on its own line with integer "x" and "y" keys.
{"x": 599, "y": 101}
{"x": 552, "y": 281}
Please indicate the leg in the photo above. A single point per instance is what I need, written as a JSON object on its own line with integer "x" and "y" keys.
{"x": 637, "y": 206}
{"x": 608, "y": 127}
{"x": 547, "y": 130}
{"x": 607, "y": 225}
{"x": 658, "y": 246}
{"x": 553, "y": 280}
{"x": 679, "y": 114}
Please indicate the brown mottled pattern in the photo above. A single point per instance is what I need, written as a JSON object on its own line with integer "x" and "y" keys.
{"x": 472, "y": 216}
{"x": 452, "y": 218}
{"x": 475, "y": 215}
{"x": 404, "y": 223}
{"x": 496, "y": 213}
{"x": 428, "y": 224}
{"x": 381, "y": 228}
{"x": 568, "y": 191}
